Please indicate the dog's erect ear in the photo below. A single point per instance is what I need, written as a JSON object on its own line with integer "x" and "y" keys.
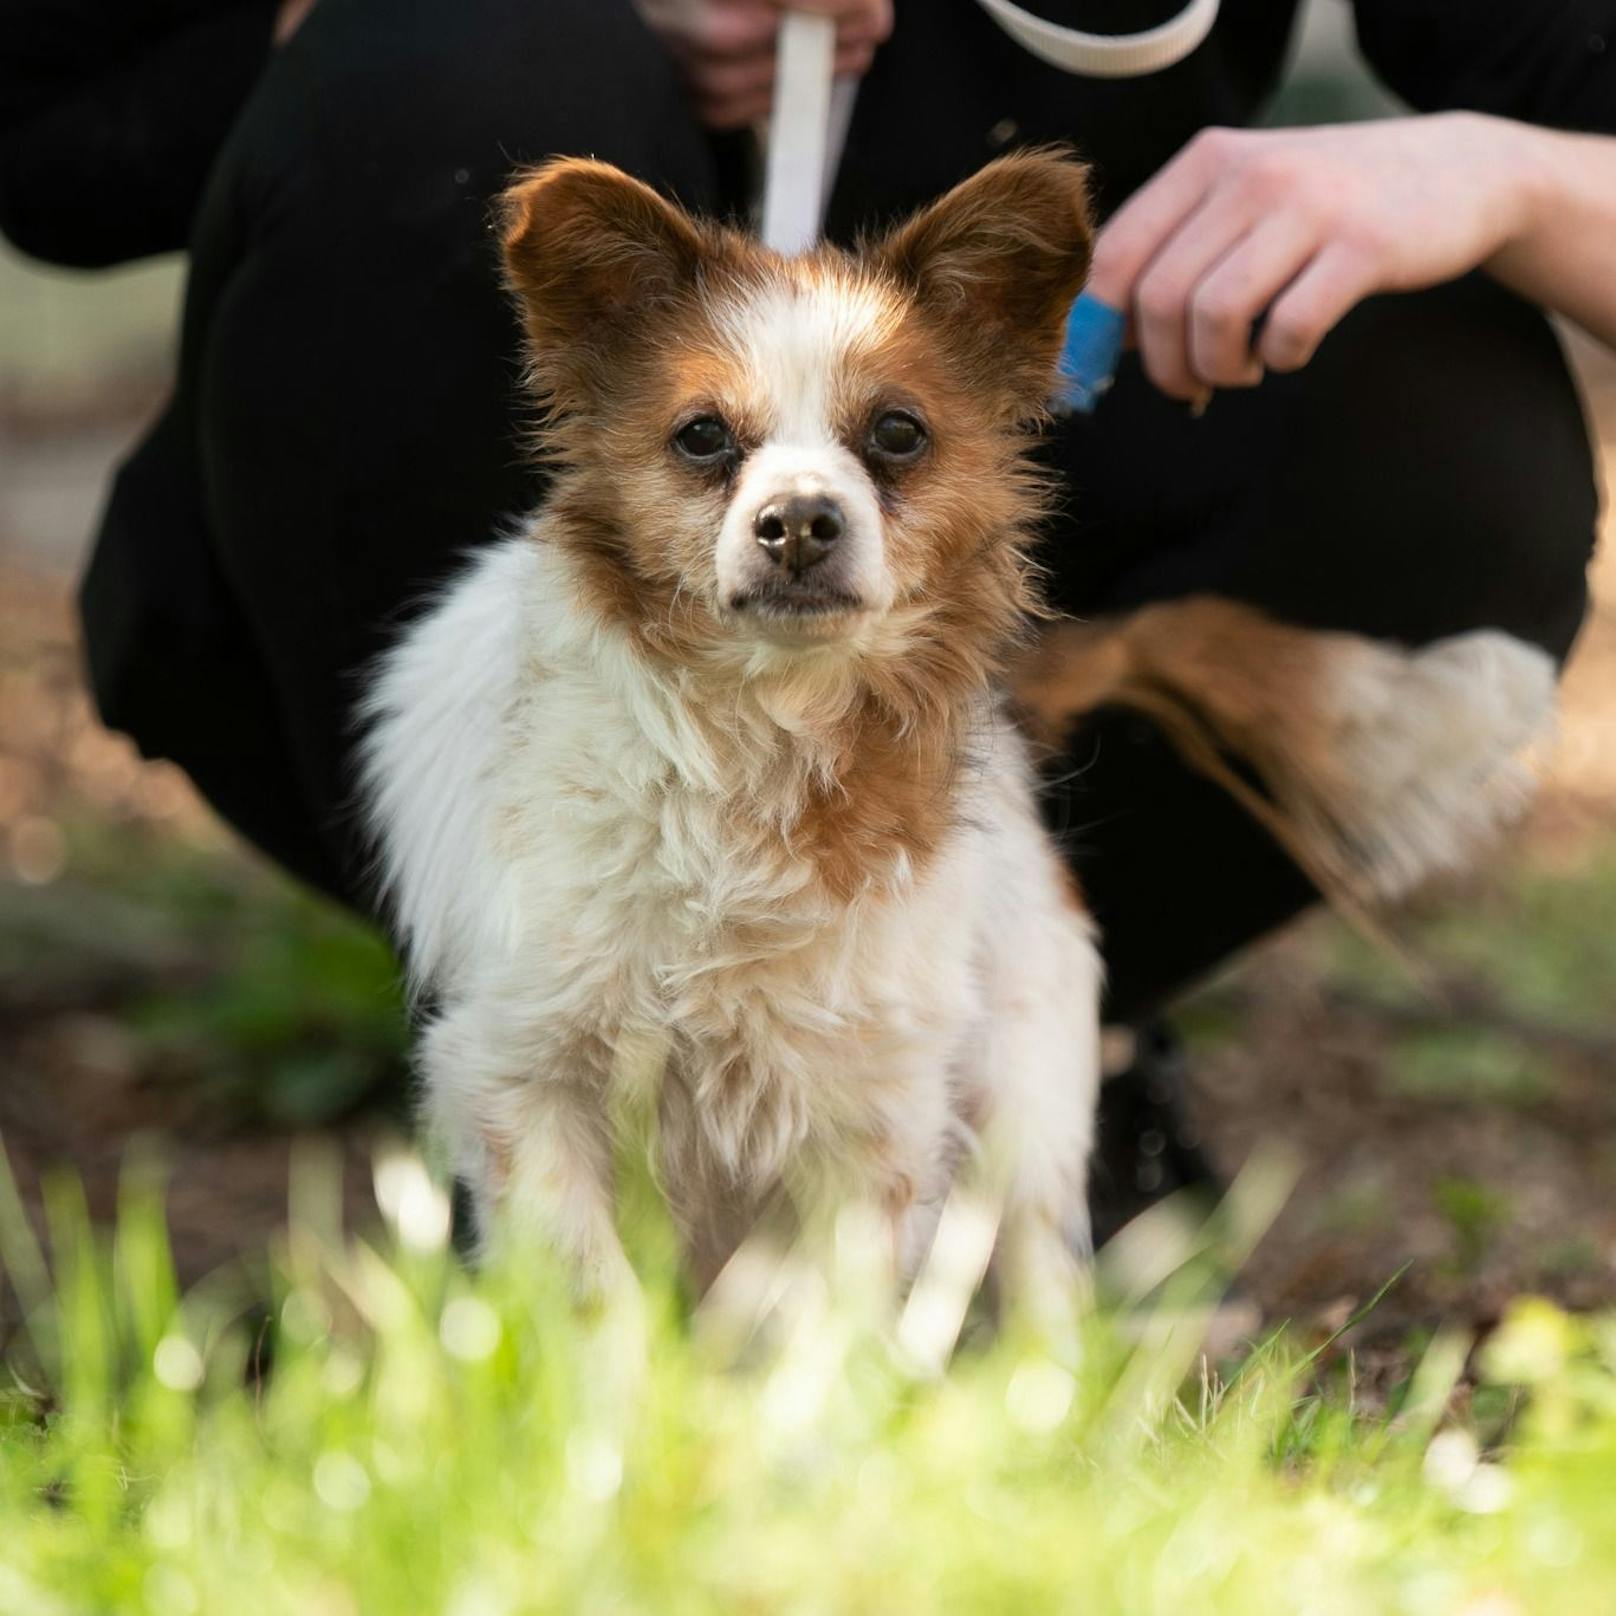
{"x": 997, "y": 263}
{"x": 588, "y": 251}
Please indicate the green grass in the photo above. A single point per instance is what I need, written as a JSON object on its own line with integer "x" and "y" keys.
{"x": 1540, "y": 947}
{"x": 268, "y": 1004}
{"x": 363, "y": 1427}
{"x": 353, "y": 1424}
{"x": 300, "y": 1020}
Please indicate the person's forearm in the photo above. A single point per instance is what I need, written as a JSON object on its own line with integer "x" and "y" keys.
{"x": 1563, "y": 254}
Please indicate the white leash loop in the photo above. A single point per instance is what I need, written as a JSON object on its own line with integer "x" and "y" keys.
{"x": 811, "y": 112}
{"x": 1106, "y": 56}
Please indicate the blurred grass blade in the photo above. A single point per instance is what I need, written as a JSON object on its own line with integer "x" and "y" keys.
{"x": 1358, "y": 1316}
{"x": 21, "y": 1261}
{"x": 413, "y": 1204}
{"x": 315, "y": 1191}
{"x": 87, "y": 1368}
{"x": 1175, "y": 1327}
{"x": 1150, "y": 1248}
{"x": 1440, "y": 1367}
{"x": 934, "y": 1313}
{"x": 142, "y": 1256}
{"x": 1255, "y": 1200}
{"x": 748, "y": 1290}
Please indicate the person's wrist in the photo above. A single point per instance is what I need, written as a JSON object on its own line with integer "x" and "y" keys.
{"x": 1521, "y": 158}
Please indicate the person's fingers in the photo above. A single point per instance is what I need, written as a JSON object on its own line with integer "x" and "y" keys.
{"x": 870, "y": 24}
{"x": 1142, "y": 225}
{"x": 742, "y": 78}
{"x": 1226, "y": 301}
{"x": 863, "y": 18}
{"x": 854, "y": 59}
{"x": 1161, "y": 299}
{"x": 731, "y": 95}
{"x": 729, "y": 30}
{"x": 289, "y": 17}
{"x": 727, "y": 33}
{"x": 735, "y": 112}
{"x": 1302, "y": 315}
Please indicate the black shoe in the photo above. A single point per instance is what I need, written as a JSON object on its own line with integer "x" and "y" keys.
{"x": 1145, "y": 1146}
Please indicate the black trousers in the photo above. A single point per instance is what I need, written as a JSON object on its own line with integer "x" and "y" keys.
{"x": 345, "y": 425}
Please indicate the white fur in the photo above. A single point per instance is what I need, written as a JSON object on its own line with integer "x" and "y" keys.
{"x": 1430, "y": 744}
{"x": 796, "y": 335}
{"x": 564, "y": 836}
{"x": 796, "y": 338}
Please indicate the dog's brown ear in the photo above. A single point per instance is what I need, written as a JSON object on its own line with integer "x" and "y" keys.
{"x": 589, "y": 251}
{"x": 997, "y": 263}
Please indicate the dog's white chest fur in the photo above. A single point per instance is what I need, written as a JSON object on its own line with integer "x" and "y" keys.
{"x": 586, "y": 865}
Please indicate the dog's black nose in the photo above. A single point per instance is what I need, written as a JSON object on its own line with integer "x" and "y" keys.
{"x": 797, "y": 533}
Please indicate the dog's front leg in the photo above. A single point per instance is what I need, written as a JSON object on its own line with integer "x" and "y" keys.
{"x": 522, "y": 1110}
{"x": 1040, "y": 1072}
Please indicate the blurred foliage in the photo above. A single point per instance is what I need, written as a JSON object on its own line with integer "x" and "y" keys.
{"x": 1475, "y": 1211}
{"x": 1567, "y": 975}
{"x": 1540, "y": 944}
{"x": 271, "y": 1002}
{"x": 405, "y": 1437}
{"x": 1465, "y": 1063}
{"x": 301, "y": 1022}
{"x": 1488, "y": 990}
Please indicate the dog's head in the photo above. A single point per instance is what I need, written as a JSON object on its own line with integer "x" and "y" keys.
{"x": 821, "y": 453}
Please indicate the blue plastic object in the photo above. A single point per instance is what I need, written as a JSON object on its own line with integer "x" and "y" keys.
{"x": 1089, "y": 357}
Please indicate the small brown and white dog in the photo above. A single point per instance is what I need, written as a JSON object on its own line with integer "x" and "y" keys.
{"x": 713, "y": 760}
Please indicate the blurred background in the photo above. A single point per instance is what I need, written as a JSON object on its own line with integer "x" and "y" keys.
{"x": 1455, "y": 1109}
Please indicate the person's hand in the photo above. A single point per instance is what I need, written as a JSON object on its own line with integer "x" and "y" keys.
{"x": 725, "y": 48}
{"x": 289, "y": 16}
{"x": 1302, "y": 224}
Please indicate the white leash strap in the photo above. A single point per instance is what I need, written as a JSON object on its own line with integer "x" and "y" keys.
{"x": 811, "y": 112}
{"x": 800, "y": 127}
{"x": 1106, "y": 56}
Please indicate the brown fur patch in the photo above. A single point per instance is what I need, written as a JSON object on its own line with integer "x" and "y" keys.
{"x": 1222, "y": 680}
{"x": 996, "y": 265}
{"x": 890, "y": 795}
{"x": 1258, "y": 680}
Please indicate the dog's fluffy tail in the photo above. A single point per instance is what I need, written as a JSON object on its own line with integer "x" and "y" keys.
{"x": 1374, "y": 766}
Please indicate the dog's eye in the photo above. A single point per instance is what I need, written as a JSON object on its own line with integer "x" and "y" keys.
{"x": 897, "y": 435}
{"x": 705, "y": 438}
